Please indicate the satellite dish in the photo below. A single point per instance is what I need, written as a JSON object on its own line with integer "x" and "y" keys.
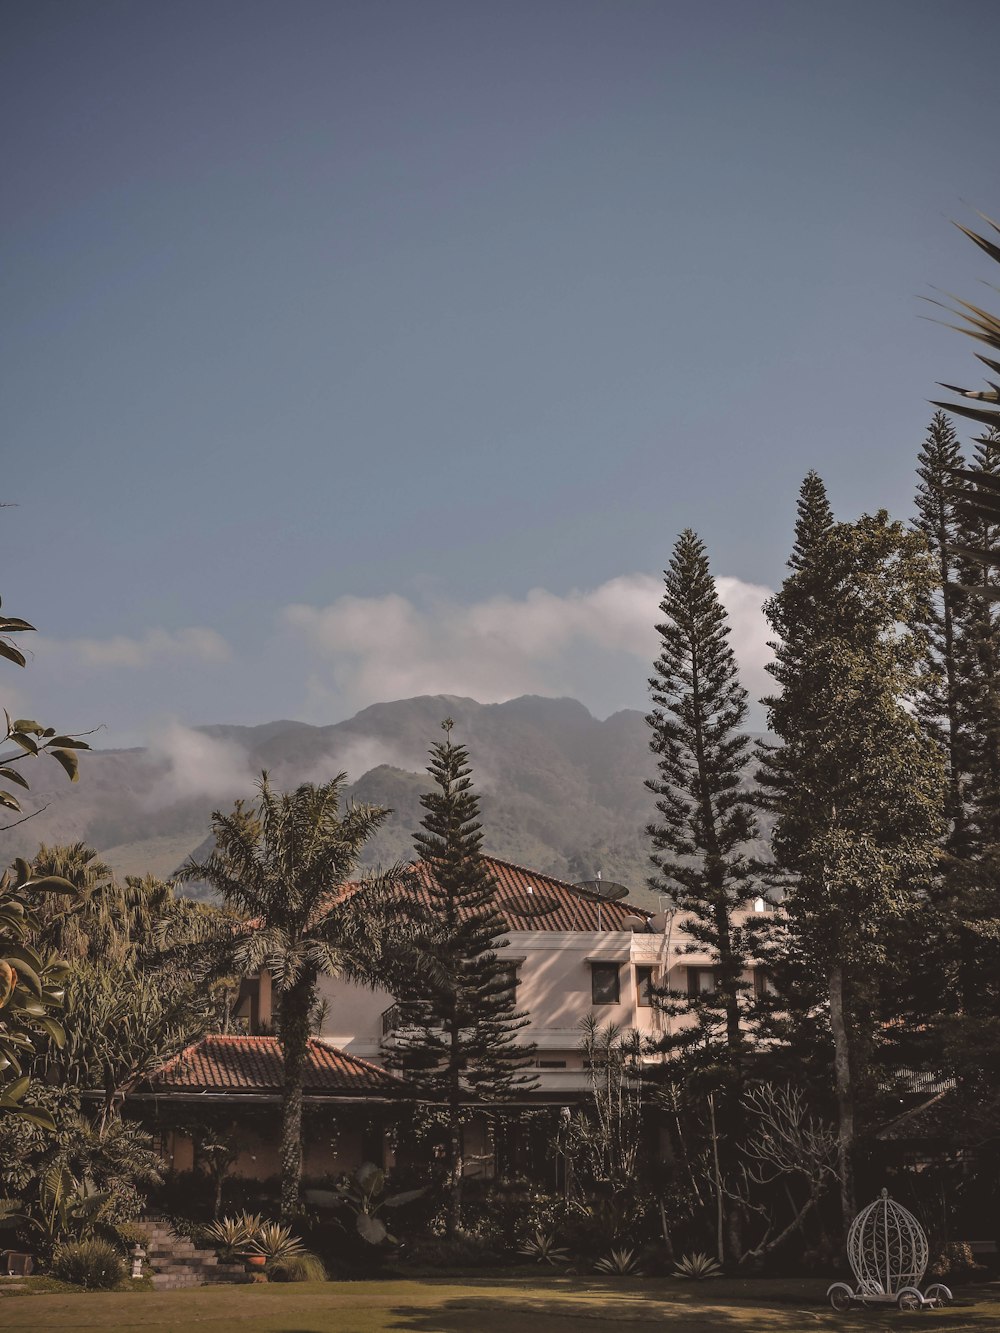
{"x": 537, "y": 905}
{"x": 633, "y": 923}
{"x": 603, "y": 888}
{"x": 659, "y": 921}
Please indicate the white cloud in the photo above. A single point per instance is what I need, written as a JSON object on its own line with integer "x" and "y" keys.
{"x": 156, "y": 645}
{"x": 379, "y": 648}
{"x": 357, "y": 757}
{"x": 196, "y": 765}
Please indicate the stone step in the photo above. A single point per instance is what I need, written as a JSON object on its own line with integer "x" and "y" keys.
{"x": 177, "y": 1262}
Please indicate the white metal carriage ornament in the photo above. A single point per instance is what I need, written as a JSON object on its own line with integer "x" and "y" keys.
{"x": 888, "y": 1252}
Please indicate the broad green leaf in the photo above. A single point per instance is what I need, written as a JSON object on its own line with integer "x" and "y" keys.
{"x": 24, "y": 953}
{"x": 13, "y": 625}
{"x": 27, "y": 976}
{"x": 11, "y": 802}
{"x": 13, "y": 1092}
{"x": 11, "y": 653}
{"x": 405, "y": 1196}
{"x": 50, "y": 884}
{"x": 23, "y": 870}
{"x": 69, "y": 762}
{"x": 28, "y": 724}
{"x": 70, "y": 742}
{"x": 26, "y": 742}
{"x": 371, "y": 1229}
{"x": 55, "y": 1030}
{"x": 12, "y": 775}
{"x": 34, "y": 1114}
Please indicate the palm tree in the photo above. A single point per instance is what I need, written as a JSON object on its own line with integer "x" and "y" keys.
{"x": 978, "y": 492}
{"x": 284, "y": 864}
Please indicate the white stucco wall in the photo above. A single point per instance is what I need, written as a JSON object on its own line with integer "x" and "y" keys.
{"x": 555, "y": 990}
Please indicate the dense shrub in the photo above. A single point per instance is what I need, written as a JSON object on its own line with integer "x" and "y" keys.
{"x": 304, "y": 1267}
{"x": 129, "y": 1234}
{"x": 955, "y": 1260}
{"x": 462, "y": 1252}
{"x": 92, "y": 1264}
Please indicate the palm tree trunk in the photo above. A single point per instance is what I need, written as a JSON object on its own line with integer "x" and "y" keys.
{"x": 296, "y": 1001}
{"x": 845, "y": 1093}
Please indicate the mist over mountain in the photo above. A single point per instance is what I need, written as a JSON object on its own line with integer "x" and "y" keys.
{"x": 562, "y": 792}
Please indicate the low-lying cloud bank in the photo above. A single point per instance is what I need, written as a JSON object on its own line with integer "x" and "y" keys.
{"x": 324, "y": 663}
{"x": 375, "y": 648}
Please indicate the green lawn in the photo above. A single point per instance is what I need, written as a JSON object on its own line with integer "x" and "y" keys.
{"x": 482, "y": 1305}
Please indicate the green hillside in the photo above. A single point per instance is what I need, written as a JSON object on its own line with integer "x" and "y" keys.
{"x": 562, "y": 792}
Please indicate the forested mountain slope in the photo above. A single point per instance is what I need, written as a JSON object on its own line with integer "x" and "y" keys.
{"x": 562, "y": 792}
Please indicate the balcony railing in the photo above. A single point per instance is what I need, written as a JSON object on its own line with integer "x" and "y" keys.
{"x": 390, "y": 1020}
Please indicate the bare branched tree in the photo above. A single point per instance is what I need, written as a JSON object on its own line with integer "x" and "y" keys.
{"x": 786, "y": 1143}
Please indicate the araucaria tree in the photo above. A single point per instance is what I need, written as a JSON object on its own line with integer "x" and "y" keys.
{"x": 283, "y": 865}
{"x": 942, "y": 615}
{"x": 457, "y": 1031}
{"x": 705, "y": 814}
{"x": 856, "y": 786}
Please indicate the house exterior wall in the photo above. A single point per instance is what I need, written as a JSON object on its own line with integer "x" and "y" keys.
{"x": 555, "y": 989}
{"x": 335, "y": 1143}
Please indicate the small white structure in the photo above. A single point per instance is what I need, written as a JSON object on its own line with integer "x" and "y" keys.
{"x": 887, "y": 1249}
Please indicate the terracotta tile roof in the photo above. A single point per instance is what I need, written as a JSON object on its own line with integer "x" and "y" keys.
{"x": 528, "y": 900}
{"x": 254, "y": 1064}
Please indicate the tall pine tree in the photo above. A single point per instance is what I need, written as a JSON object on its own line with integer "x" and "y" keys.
{"x": 941, "y": 617}
{"x": 981, "y": 650}
{"x": 457, "y": 1039}
{"x": 857, "y": 789}
{"x": 705, "y": 818}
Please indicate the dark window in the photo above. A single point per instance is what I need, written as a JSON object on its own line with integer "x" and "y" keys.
{"x": 701, "y": 980}
{"x": 551, "y": 1064}
{"x": 604, "y": 983}
{"x": 246, "y": 1012}
{"x": 643, "y": 986}
{"x": 762, "y": 983}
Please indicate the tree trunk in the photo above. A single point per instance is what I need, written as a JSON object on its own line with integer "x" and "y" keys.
{"x": 456, "y": 1168}
{"x": 845, "y": 1094}
{"x": 719, "y": 1209}
{"x": 296, "y": 1002}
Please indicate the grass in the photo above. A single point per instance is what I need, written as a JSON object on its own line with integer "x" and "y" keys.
{"x": 485, "y": 1305}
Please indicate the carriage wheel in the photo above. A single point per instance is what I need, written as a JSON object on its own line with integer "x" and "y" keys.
{"x": 840, "y": 1296}
{"x": 909, "y": 1299}
{"x": 939, "y": 1292}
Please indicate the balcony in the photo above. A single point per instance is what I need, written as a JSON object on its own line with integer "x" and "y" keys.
{"x": 389, "y": 1021}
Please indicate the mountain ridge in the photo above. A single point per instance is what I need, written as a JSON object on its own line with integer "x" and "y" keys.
{"x": 561, "y": 791}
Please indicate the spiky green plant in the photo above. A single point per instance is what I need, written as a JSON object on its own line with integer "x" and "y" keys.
{"x": 697, "y": 1267}
{"x": 544, "y": 1249}
{"x": 304, "y": 1267}
{"x": 619, "y": 1263}
{"x": 275, "y": 1242}
{"x": 229, "y": 1235}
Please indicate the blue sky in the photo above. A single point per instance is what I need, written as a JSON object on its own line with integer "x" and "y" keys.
{"x": 359, "y": 350}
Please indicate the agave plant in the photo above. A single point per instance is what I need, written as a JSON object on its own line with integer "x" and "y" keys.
{"x": 229, "y": 1235}
{"x": 275, "y": 1242}
{"x": 619, "y": 1263}
{"x": 543, "y": 1249}
{"x": 698, "y": 1267}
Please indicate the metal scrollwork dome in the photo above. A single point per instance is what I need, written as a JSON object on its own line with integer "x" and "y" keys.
{"x": 887, "y": 1248}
